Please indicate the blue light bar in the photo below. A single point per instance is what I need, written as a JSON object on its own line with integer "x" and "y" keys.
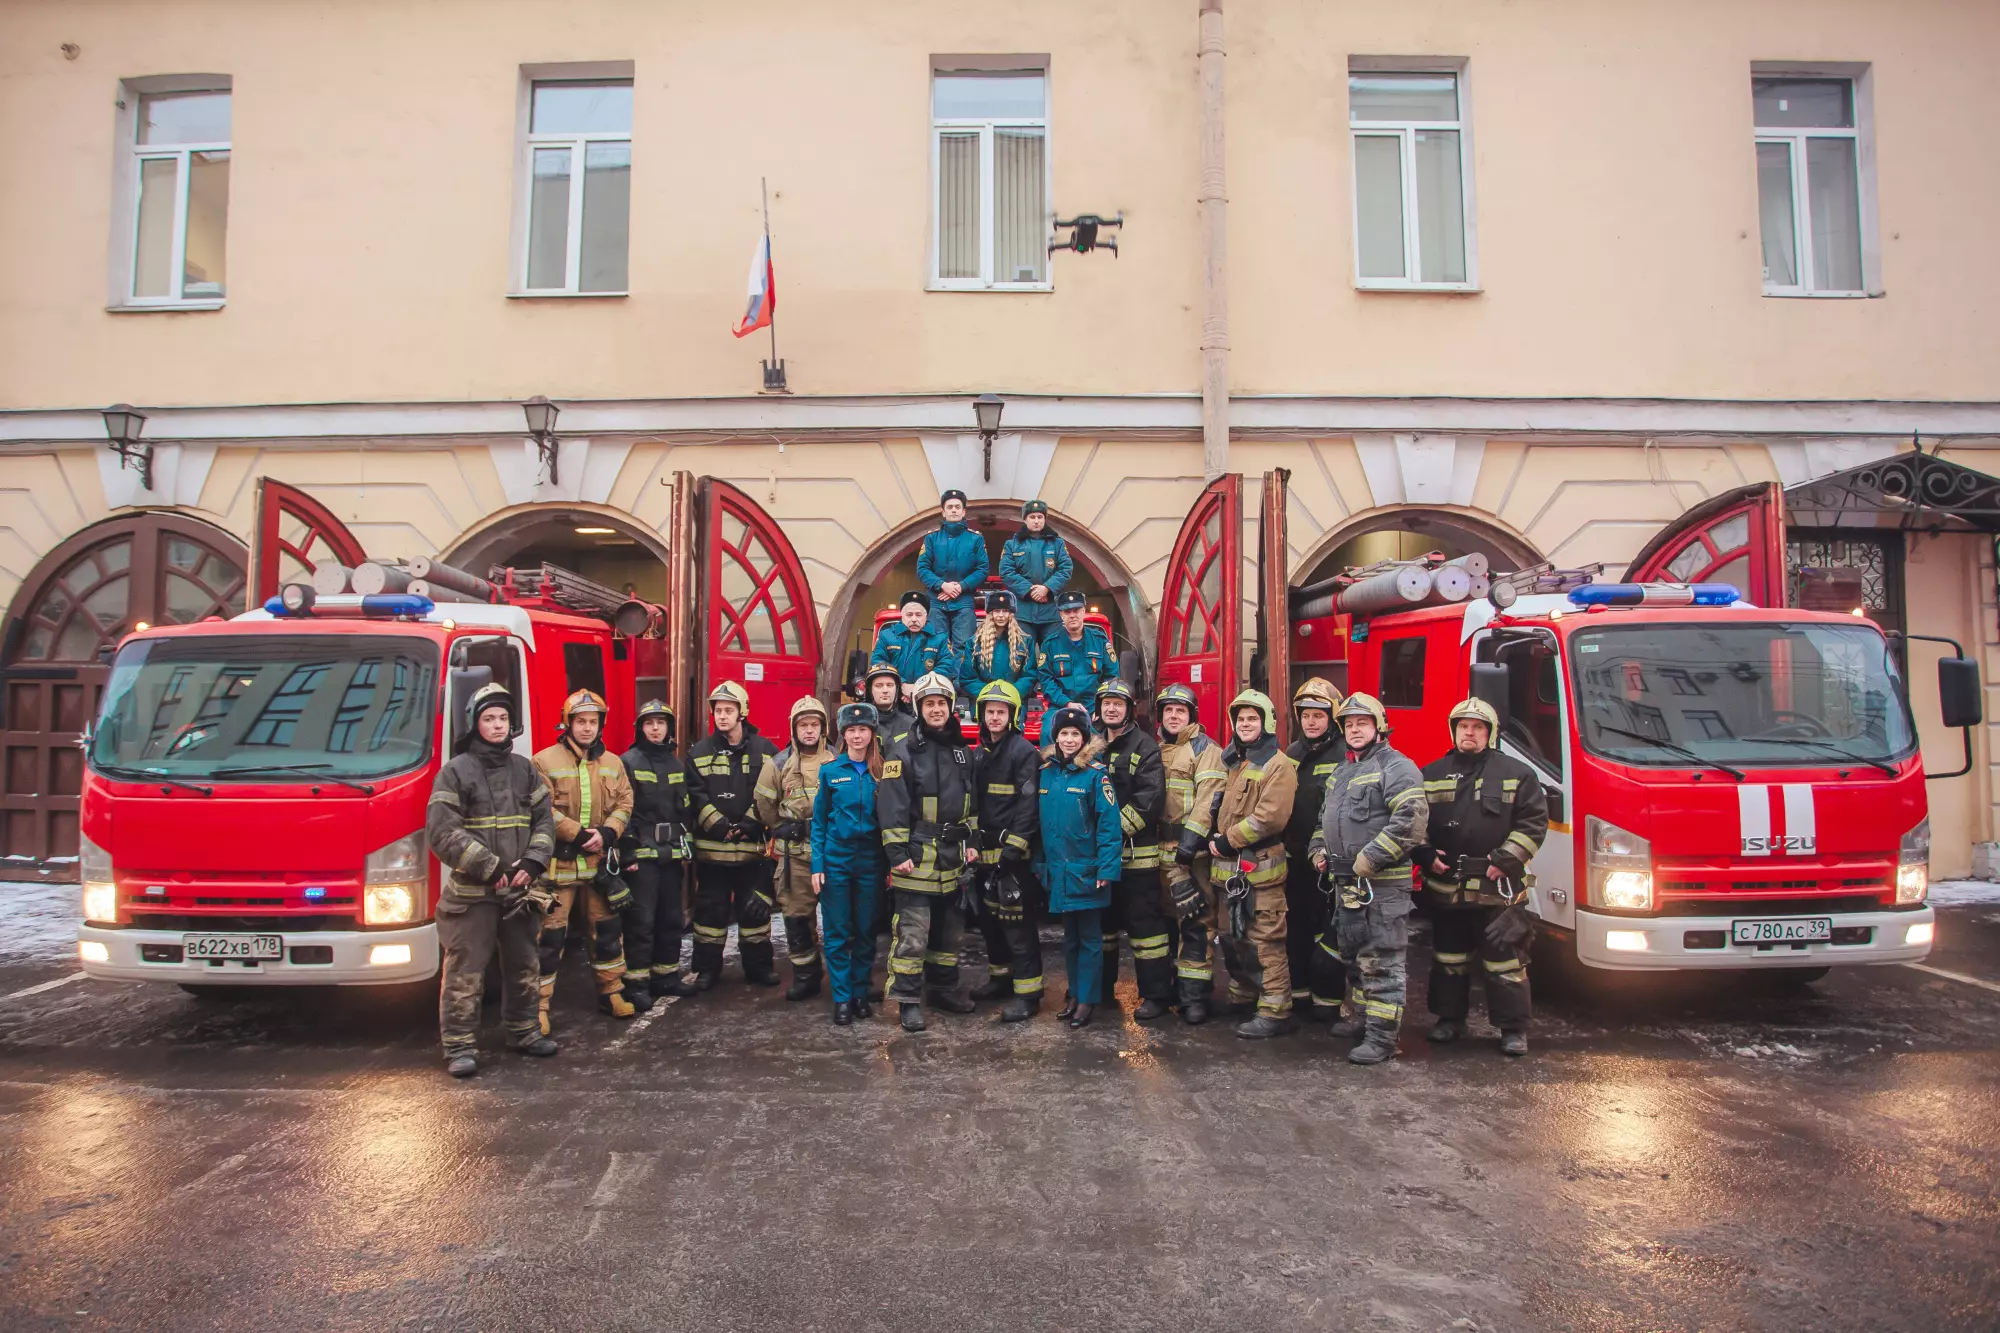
{"x": 315, "y": 893}
{"x": 1655, "y": 594}
{"x": 373, "y": 604}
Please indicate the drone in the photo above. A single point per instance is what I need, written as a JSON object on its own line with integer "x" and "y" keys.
{"x": 1084, "y": 238}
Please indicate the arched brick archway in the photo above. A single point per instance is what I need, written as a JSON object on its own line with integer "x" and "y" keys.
{"x": 155, "y": 567}
{"x": 1464, "y": 528}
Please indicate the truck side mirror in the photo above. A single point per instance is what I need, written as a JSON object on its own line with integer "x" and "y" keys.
{"x": 1492, "y": 683}
{"x": 1132, "y": 669}
{"x": 1960, "y": 697}
{"x": 857, "y": 666}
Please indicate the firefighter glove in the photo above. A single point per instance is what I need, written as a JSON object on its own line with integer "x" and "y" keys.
{"x": 1183, "y": 856}
{"x": 1188, "y": 900}
{"x": 1510, "y": 929}
{"x": 1365, "y": 868}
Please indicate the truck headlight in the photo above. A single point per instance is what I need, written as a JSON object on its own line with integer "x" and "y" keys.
{"x": 1913, "y": 864}
{"x": 1619, "y": 866}
{"x": 394, "y": 882}
{"x": 100, "y": 888}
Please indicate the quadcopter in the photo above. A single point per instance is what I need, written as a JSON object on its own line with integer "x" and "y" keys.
{"x": 1084, "y": 237}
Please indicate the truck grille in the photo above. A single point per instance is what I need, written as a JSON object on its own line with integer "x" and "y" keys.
{"x": 1716, "y": 904}
{"x": 212, "y": 922}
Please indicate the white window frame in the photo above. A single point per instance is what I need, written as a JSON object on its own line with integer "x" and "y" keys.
{"x": 1406, "y": 132}
{"x": 988, "y": 66}
{"x": 124, "y": 266}
{"x": 602, "y": 71}
{"x": 1794, "y": 137}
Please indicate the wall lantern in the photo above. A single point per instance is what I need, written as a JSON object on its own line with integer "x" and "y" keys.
{"x": 541, "y": 414}
{"x": 124, "y": 423}
{"x": 987, "y": 407}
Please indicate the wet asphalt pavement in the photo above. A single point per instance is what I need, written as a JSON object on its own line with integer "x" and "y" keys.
{"x": 1676, "y": 1154}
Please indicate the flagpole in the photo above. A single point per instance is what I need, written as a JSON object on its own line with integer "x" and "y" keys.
{"x": 764, "y": 185}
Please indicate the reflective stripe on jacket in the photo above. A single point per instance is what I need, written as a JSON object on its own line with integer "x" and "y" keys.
{"x": 486, "y": 812}
{"x": 1376, "y": 806}
{"x": 1256, "y": 803}
{"x": 589, "y": 791}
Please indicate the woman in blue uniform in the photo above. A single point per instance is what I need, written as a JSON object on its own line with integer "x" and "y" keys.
{"x": 848, "y": 869}
{"x": 1081, "y": 842}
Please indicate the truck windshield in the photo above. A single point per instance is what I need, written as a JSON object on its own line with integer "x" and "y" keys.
{"x": 1750, "y": 694}
{"x": 323, "y": 706}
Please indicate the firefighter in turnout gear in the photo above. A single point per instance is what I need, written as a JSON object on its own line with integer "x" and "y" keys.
{"x": 1132, "y": 757}
{"x": 785, "y": 792}
{"x": 490, "y": 824}
{"x": 732, "y": 874}
{"x": 593, "y": 804}
{"x": 1247, "y": 840}
{"x": 884, "y": 688}
{"x": 1192, "y": 765}
{"x": 1488, "y": 816}
{"x": 1317, "y": 979}
{"x": 1004, "y": 776}
{"x": 655, "y": 851}
{"x": 1373, "y": 820}
{"x": 925, "y": 804}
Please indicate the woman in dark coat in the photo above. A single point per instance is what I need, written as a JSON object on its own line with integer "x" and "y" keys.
{"x": 1081, "y": 842}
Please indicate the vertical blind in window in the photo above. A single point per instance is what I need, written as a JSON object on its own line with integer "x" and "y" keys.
{"x": 991, "y": 140}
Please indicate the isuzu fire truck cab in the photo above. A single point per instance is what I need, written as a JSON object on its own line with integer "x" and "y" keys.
{"x": 254, "y": 798}
{"x": 1729, "y": 786}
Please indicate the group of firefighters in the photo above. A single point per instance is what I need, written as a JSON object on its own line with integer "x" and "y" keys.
{"x": 1297, "y": 865}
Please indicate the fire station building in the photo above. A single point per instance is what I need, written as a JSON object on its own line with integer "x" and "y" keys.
{"x": 1265, "y": 288}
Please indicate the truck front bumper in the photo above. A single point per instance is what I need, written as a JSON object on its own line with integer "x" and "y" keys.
{"x": 1661, "y": 944}
{"x": 351, "y": 958}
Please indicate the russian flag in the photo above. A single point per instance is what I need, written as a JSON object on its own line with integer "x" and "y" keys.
{"x": 763, "y": 293}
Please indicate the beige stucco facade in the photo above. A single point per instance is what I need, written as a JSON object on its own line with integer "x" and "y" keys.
{"x": 1616, "y": 364}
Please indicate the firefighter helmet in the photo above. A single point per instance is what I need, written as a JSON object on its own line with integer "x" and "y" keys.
{"x": 1115, "y": 688}
{"x": 656, "y": 708}
{"x": 729, "y": 692}
{"x": 1364, "y": 705}
{"x": 932, "y": 683}
{"x": 1258, "y": 700}
{"x": 860, "y": 715}
{"x": 1479, "y": 711}
{"x": 1316, "y": 693}
{"x": 583, "y": 701}
{"x": 1178, "y": 694}
{"x": 808, "y": 704}
{"x": 494, "y": 695}
{"x": 1000, "y": 692}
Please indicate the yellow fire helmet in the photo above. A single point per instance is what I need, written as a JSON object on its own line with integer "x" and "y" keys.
{"x": 932, "y": 682}
{"x": 583, "y": 701}
{"x": 1000, "y": 692}
{"x": 808, "y": 706}
{"x": 1477, "y": 709}
{"x": 1365, "y": 705}
{"x": 1258, "y": 700}
{"x": 729, "y": 692}
{"x": 1316, "y": 693}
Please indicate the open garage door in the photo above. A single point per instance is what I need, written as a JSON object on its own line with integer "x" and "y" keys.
{"x": 1201, "y": 605}
{"x": 754, "y": 620}
{"x": 295, "y": 535}
{"x": 1737, "y": 537}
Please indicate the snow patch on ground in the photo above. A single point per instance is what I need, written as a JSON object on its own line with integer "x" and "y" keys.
{"x": 37, "y": 920}
{"x": 1958, "y": 892}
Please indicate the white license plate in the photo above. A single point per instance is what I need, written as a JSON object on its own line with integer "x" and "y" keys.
{"x": 232, "y": 946}
{"x": 1790, "y": 930}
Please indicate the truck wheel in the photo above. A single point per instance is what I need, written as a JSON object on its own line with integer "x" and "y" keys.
{"x": 214, "y": 992}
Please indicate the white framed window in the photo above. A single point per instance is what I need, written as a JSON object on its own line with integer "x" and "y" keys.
{"x": 1412, "y": 179}
{"x": 573, "y": 216}
{"x": 170, "y": 247}
{"x": 1814, "y": 184}
{"x": 990, "y": 163}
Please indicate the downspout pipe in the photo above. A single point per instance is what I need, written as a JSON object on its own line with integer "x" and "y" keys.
{"x": 1214, "y": 249}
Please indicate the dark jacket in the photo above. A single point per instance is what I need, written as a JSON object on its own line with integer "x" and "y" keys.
{"x": 1140, "y": 782}
{"x": 955, "y": 553}
{"x": 1316, "y": 761}
{"x": 489, "y": 810}
{"x": 846, "y": 834}
{"x": 897, "y": 724}
{"x": 1004, "y": 777}
{"x": 1487, "y": 806}
{"x": 1374, "y": 807}
{"x": 1072, "y": 669}
{"x": 1080, "y": 836}
{"x": 911, "y": 654}
{"x": 925, "y": 805}
{"x": 659, "y": 803}
{"x": 722, "y": 791}
{"x": 1029, "y": 558}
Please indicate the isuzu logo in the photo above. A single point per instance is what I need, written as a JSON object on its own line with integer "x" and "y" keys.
{"x": 1766, "y": 831}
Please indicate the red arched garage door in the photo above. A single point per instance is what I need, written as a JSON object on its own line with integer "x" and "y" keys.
{"x": 84, "y": 596}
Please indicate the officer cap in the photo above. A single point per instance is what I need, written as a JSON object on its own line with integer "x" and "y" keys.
{"x": 1070, "y": 601}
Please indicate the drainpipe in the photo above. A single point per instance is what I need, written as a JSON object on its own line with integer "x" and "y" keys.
{"x": 1214, "y": 250}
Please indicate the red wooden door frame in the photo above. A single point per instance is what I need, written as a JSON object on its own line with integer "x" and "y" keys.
{"x": 1762, "y": 546}
{"x": 726, "y": 651}
{"x": 1183, "y": 609}
{"x": 326, "y": 537}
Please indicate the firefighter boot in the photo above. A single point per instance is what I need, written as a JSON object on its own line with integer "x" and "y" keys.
{"x": 461, "y": 1066}
{"x": 539, "y": 1047}
{"x": 951, "y": 1002}
{"x": 1194, "y": 1012}
{"x": 1447, "y": 1030}
{"x": 1149, "y": 1009}
{"x": 1267, "y": 1025}
{"x": 1513, "y": 1042}
{"x": 615, "y": 1004}
{"x": 1378, "y": 1047}
{"x": 639, "y": 997}
{"x": 680, "y": 984}
{"x": 1021, "y": 1008}
{"x": 912, "y": 1017}
{"x": 802, "y": 947}
{"x": 997, "y": 986}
